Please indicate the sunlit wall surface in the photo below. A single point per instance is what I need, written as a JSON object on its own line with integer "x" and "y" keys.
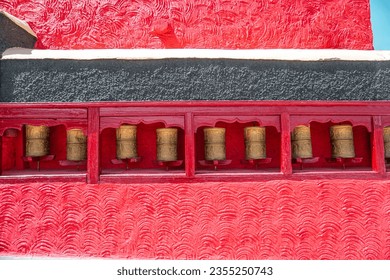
{"x": 218, "y": 24}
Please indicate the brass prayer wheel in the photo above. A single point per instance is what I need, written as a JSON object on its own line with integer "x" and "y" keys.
{"x": 301, "y": 142}
{"x": 76, "y": 145}
{"x": 166, "y": 144}
{"x": 126, "y": 142}
{"x": 255, "y": 147}
{"x": 386, "y": 138}
{"x": 214, "y": 140}
{"x": 37, "y": 141}
{"x": 342, "y": 141}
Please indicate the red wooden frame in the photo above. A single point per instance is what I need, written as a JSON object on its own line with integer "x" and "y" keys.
{"x": 93, "y": 118}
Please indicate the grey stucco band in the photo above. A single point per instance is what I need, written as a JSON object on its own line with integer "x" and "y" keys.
{"x": 51, "y": 80}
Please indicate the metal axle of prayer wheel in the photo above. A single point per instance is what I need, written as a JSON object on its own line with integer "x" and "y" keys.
{"x": 37, "y": 143}
{"x": 342, "y": 141}
{"x": 255, "y": 147}
{"x": 214, "y": 140}
{"x": 301, "y": 142}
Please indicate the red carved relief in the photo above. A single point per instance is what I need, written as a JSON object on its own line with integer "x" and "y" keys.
{"x": 228, "y": 24}
{"x": 312, "y": 219}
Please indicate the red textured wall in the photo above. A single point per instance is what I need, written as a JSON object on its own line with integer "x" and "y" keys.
{"x": 334, "y": 219}
{"x": 232, "y": 24}
{"x": 312, "y": 219}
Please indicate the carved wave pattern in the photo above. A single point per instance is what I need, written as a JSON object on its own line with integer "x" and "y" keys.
{"x": 230, "y": 24}
{"x": 318, "y": 219}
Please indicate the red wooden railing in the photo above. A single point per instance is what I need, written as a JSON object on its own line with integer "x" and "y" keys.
{"x": 99, "y": 120}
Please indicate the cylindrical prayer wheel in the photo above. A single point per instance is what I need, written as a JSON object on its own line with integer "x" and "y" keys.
{"x": 214, "y": 140}
{"x": 166, "y": 144}
{"x": 342, "y": 141}
{"x": 76, "y": 145}
{"x": 301, "y": 142}
{"x": 37, "y": 141}
{"x": 126, "y": 142}
{"x": 386, "y": 138}
{"x": 255, "y": 147}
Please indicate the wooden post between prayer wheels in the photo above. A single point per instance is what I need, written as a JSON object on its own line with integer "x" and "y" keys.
{"x": 342, "y": 141}
{"x": 214, "y": 140}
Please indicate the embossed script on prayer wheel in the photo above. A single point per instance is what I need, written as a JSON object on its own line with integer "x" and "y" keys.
{"x": 386, "y": 138}
{"x": 342, "y": 141}
{"x": 255, "y": 147}
{"x": 126, "y": 142}
{"x": 214, "y": 140}
{"x": 301, "y": 142}
{"x": 37, "y": 141}
{"x": 166, "y": 144}
{"x": 76, "y": 145}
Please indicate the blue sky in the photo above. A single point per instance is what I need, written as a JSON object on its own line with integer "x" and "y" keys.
{"x": 380, "y": 19}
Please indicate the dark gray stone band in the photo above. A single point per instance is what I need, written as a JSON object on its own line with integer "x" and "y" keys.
{"x": 51, "y": 80}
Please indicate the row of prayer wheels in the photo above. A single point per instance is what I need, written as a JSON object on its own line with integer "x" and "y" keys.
{"x": 214, "y": 140}
{"x": 255, "y": 145}
{"x": 215, "y": 146}
{"x": 126, "y": 143}
{"x": 341, "y": 137}
{"x": 37, "y": 143}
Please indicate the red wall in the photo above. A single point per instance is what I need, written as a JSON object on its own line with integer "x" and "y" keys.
{"x": 334, "y": 219}
{"x": 231, "y": 24}
{"x": 312, "y": 219}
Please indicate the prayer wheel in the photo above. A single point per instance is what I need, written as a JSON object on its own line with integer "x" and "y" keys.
{"x": 255, "y": 147}
{"x": 386, "y": 138}
{"x": 214, "y": 140}
{"x": 166, "y": 144}
{"x": 76, "y": 145}
{"x": 301, "y": 142}
{"x": 126, "y": 142}
{"x": 37, "y": 141}
{"x": 342, "y": 141}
